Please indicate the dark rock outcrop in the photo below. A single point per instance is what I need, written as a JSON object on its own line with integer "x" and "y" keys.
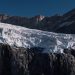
{"x": 21, "y": 61}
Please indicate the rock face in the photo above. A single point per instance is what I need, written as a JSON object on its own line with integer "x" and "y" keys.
{"x": 21, "y": 61}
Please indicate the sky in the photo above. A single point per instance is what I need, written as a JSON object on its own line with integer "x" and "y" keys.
{"x": 31, "y": 8}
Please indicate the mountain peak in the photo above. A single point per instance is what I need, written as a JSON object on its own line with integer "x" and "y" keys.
{"x": 39, "y": 17}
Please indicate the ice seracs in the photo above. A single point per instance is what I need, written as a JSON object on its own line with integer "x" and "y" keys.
{"x": 24, "y": 37}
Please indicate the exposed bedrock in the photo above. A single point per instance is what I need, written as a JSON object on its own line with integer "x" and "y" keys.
{"x": 21, "y": 61}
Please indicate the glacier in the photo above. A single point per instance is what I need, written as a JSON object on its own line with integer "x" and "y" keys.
{"x": 27, "y": 38}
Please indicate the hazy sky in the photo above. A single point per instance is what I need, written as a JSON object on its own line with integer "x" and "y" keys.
{"x": 35, "y": 7}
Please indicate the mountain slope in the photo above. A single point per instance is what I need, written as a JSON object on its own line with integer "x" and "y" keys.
{"x": 27, "y": 38}
{"x": 67, "y": 25}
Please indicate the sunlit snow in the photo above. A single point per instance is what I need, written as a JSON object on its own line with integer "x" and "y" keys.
{"x": 24, "y": 37}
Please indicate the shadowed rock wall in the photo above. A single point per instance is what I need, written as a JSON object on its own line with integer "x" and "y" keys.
{"x": 21, "y": 61}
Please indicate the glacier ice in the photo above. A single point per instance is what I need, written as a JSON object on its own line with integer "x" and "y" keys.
{"x": 24, "y": 37}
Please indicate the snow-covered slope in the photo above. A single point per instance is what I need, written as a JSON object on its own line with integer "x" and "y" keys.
{"x": 24, "y": 37}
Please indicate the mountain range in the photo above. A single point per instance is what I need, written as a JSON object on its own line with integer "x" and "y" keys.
{"x": 57, "y": 23}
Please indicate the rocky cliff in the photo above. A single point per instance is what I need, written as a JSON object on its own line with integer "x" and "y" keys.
{"x": 21, "y": 61}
